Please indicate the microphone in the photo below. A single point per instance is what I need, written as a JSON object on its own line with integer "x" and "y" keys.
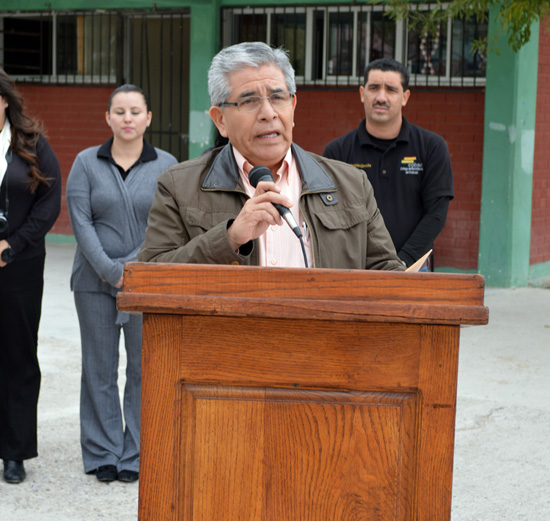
{"x": 262, "y": 173}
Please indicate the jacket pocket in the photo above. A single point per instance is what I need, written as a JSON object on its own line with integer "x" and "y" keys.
{"x": 205, "y": 220}
{"x": 342, "y": 238}
{"x": 343, "y": 218}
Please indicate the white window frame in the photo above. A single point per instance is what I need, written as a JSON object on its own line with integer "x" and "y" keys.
{"x": 356, "y": 76}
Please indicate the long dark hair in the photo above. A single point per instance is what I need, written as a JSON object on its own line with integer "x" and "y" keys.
{"x": 25, "y": 131}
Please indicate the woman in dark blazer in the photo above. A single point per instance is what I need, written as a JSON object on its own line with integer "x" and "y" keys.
{"x": 30, "y": 201}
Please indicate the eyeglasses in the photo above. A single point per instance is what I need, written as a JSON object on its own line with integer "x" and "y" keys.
{"x": 278, "y": 100}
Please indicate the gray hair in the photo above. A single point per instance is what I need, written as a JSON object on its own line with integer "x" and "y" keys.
{"x": 239, "y": 56}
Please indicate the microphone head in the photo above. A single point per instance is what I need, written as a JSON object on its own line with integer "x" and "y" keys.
{"x": 259, "y": 173}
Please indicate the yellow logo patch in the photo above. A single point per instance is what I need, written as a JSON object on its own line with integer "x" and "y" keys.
{"x": 408, "y": 160}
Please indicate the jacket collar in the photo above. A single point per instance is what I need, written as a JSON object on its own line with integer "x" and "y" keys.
{"x": 224, "y": 172}
{"x": 364, "y": 138}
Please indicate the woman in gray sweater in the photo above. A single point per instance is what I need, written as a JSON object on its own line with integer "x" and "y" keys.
{"x": 109, "y": 193}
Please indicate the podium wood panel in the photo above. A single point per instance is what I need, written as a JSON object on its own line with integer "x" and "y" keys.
{"x": 253, "y": 415}
{"x": 326, "y": 442}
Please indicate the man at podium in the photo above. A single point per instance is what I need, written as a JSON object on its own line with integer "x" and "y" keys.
{"x": 225, "y": 206}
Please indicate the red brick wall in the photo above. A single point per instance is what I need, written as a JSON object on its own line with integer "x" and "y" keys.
{"x": 540, "y": 216}
{"x": 74, "y": 119}
{"x": 456, "y": 115}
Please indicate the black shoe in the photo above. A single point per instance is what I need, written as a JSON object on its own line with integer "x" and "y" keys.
{"x": 14, "y": 471}
{"x": 106, "y": 473}
{"x": 129, "y": 476}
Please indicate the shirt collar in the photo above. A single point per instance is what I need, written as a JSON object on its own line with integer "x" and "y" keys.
{"x": 245, "y": 166}
{"x": 364, "y": 138}
{"x": 147, "y": 154}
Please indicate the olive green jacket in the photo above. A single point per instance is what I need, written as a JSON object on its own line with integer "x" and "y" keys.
{"x": 197, "y": 200}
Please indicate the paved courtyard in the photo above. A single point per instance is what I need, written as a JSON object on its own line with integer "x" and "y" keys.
{"x": 502, "y": 455}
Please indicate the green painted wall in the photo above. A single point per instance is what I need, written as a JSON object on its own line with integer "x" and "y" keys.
{"x": 539, "y": 275}
{"x": 204, "y": 44}
{"x": 60, "y": 239}
{"x": 509, "y": 141}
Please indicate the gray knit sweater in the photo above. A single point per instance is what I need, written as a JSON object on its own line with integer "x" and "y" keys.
{"x": 109, "y": 216}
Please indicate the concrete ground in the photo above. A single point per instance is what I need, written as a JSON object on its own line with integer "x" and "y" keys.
{"x": 502, "y": 455}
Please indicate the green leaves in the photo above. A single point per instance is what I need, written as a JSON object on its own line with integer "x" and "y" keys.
{"x": 514, "y": 18}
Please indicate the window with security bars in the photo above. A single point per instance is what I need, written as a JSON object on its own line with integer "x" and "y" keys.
{"x": 61, "y": 48}
{"x": 447, "y": 52}
{"x": 331, "y": 45}
{"x": 108, "y": 48}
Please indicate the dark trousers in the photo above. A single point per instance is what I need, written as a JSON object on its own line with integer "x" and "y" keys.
{"x": 21, "y": 287}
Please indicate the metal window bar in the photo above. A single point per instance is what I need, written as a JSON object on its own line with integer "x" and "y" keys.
{"x": 109, "y": 54}
{"x": 99, "y": 37}
{"x": 1, "y": 40}
{"x": 362, "y": 40}
{"x": 54, "y": 45}
{"x": 183, "y": 138}
{"x": 145, "y": 74}
{"x": 160, "y": 139}
{"x": 161, "y": 78}
{"x": 89, "y": 51}
{"x": 171, "y": 83}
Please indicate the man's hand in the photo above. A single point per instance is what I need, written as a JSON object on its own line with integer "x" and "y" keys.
{"x": 257, "y": 214}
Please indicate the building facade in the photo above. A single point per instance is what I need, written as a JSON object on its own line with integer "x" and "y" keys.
{"x": 67, "y": 56}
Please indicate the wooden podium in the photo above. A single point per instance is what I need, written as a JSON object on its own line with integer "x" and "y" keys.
{"x": 298, "y": 394}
